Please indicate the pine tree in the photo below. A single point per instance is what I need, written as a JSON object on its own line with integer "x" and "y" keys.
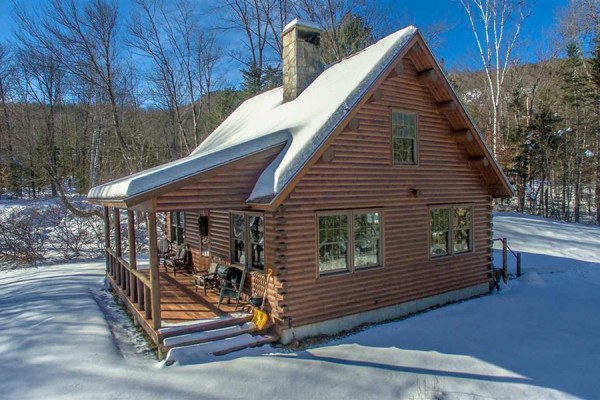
{"x": 576, "y": 94}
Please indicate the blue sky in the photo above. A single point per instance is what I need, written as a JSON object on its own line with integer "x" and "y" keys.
{"x": 458, "y": 47}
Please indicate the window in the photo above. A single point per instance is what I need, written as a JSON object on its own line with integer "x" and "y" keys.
{"x": 257, "y": 241}
{"x": 348, "y": 241}
{"x": 404, "y": 137}
{"x": 248, "y": 240}
{"x": 238, "y": 227}
{"x": 367, "y": 238}
{"x": 333, "y": 243}
{"x": 450, "y": 230}
{"x": 177, "y": 222}
{"x": 462, "y": 229}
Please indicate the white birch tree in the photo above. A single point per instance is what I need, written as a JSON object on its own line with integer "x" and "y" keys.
{"x": 496, "y": 25}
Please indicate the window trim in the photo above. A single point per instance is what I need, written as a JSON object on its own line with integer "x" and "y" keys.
{"x": 204, "y": 240}
{"x": 416, "y": 149}
{"x": 351, "y": 269}
{"x": 247, "y": 248}
{"x": 451, "y": 208}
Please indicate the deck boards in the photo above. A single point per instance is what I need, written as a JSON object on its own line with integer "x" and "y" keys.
{"x": 179, "y": 302}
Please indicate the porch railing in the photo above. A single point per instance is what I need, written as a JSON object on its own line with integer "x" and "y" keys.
{"x": 132, "y": 284}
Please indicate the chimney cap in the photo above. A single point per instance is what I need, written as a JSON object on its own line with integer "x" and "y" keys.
{"x": 297, "y": 22}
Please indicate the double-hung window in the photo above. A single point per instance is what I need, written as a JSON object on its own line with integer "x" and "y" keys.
{"x": 404, "y": 137}
{"x": 450, "y": 230}
{"x": 348, "y": 241}
{"x": 248, "y": 240}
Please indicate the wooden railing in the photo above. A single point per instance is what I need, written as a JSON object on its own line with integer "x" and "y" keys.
{"x": 132, "y": 284}
{"x": 505, "y": 251}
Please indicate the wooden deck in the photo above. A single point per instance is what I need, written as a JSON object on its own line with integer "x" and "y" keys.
{"x": 179, "y": 302}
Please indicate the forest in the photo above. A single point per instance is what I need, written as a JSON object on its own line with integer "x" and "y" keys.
{"x": 90, "y": 92}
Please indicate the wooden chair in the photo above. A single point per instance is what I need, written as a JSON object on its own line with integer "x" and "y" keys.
{"x": 181, "y": 260}
{"x": 232, "y": 290}
{"x": 165, "y": 250}
{"x": 207, "y": 279}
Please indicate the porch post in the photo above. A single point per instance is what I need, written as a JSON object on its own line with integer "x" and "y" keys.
{"x": 118, "y": 249}
{"x": 107, "y": 236}
{"x": 132, "y": 254}
{"x": 154, "y": 276}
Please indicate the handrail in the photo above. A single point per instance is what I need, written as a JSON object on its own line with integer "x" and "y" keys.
{"x": 507, "y": 246}
{"x": 505, "y": 250}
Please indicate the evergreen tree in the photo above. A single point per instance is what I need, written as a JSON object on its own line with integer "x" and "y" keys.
{"x": 576, "y": 94}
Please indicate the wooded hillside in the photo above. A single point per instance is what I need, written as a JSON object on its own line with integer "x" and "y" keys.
{"x": 90, "y": 91}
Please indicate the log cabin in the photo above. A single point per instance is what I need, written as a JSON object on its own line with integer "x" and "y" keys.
{"x": 364, "y": 185}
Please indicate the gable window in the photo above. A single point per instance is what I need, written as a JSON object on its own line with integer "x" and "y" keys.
{"x": 450, "y": 230}
{"x": 248, "y": 240}
{"x": 177, "y": 222}
{"x": 348, "y": 241}
{"x": 404, "y": 137}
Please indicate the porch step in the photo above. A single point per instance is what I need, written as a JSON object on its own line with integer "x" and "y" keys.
{"x": 207, "y": 335}
{"x": 203, "y": 325}
{"x": 196, "y": 353}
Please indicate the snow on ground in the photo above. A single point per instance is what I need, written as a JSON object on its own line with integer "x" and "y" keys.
{"x": 536, "y": 339}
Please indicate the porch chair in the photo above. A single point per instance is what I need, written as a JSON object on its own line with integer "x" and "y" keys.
{"x": 232, "y": 289}
{"x": 165, "y": 250}
{"x": 207, "y": 279}
{"x": 181, "y": 260}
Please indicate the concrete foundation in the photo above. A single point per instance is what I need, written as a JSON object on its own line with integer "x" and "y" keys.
{"x": 333, "y": 326}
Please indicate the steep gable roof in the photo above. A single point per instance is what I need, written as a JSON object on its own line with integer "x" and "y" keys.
{"x": 302, "y": 126}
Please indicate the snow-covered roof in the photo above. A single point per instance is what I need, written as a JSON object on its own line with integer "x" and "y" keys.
{"x": 265, "y": 120}
{"x": 301, "y": 22}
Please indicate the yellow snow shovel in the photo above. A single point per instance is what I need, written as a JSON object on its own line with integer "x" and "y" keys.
{"x": 260, "y": 317}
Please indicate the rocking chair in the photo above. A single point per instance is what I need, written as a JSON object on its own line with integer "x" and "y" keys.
{"x": 181, "y": 260}
{"x": 207, "y": 279}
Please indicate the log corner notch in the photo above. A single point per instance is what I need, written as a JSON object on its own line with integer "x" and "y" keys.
{"x": 376, "y": 96}
{"x": 479, "y": 162}
{"x": 463, "y": 136}
{"x": 353, "y": 125}
{"x": 396, "y": 71}
{"x": 428, "y": 77}
{"x": 446, "y": 107}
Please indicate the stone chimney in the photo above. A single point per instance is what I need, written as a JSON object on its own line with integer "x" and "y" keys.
{"x": 301, "y": 57}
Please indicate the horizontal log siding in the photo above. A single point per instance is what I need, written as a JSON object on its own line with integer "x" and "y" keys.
{"x": 218, "y": 193}
{"x": 219, "y": 234}
{"x": 226, "y": 190}
{"x": 361, "y": 175}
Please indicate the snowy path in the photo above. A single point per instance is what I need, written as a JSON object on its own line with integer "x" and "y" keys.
{"x": 536, "y": 339}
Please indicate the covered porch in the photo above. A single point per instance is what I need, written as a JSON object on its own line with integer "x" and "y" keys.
{"x": 154, "y": 297}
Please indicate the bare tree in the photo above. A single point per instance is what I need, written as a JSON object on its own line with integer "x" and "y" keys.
{"x": 254, "y": 19}
{"x": 42, "y": 79}
{"x": 7, "y": 72}
{"x": 496, "y": 25}
{"x": 152, "y": 39}
{"x": 83, "y": 37}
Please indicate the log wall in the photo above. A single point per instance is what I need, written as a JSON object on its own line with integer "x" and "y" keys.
{"x": 216, "y": 195}
{"x": 357, "y": 173}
